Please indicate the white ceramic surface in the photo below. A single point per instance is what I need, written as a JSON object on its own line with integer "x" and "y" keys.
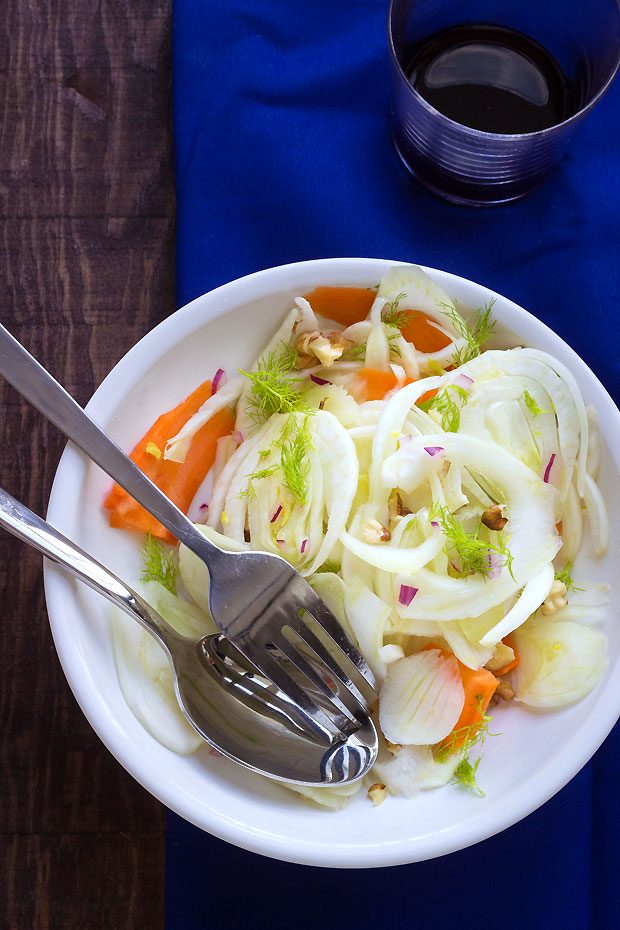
{"x": 537, "y": 753}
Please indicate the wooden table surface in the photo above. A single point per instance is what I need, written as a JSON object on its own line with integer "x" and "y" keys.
{"x": 86, "y": 266}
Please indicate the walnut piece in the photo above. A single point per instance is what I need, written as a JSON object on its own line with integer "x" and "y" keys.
{"x": 503, "y": 692}
{"x": 555, "y": 599}
{"x": 396, "y": 509}
{"x": 324, "y": 347}
{"x": 493, "y": 517}
{"x": 375, "y": 532}
{"x": 377, "y": 793}
{"x": 502, "y": 656}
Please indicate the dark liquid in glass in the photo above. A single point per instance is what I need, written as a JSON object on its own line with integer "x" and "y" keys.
{"x": 491, "y": 78}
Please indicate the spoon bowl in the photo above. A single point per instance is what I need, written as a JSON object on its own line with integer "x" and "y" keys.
{"x": 237, "y": 711}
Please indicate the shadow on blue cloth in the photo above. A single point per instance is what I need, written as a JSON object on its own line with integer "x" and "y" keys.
{"x": 555, "y": 870}
{"x": 282, "y": 154}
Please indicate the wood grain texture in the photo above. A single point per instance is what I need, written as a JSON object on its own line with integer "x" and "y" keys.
{"x": 86, "y": 268}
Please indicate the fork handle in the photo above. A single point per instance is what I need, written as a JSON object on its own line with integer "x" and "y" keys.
{"x": 39, "y": 388}
{"x": 36, "y": 532}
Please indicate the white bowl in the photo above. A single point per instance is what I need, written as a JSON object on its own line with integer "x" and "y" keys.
{"x": 537, "y": 753}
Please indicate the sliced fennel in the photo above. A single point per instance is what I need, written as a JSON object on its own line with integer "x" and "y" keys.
{"x": 533, "y": 540}
{"x": 303, "y": 532}
{"x": 419, "y": 292}
{"x": 331, "y": 798}
{"x": 561, "y": 662}
{"x": 368, "y": 617}
{"x": 177, "y": 446}
{"x": 144, "y": 672}
{"x": 364, "y": 509}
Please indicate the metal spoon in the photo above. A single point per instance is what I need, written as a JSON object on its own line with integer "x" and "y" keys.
{"x": 231, "y": 705}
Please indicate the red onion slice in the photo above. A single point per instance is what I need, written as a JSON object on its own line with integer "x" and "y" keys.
{"x": 434, "y": 450}
{"x": 219, "y": 379}
{"x": 303, "y": 546}
{"x": 548, "y": 468}
{"x": 407, "y": 594}
{"x": 318, "y": 380}
{"x": 277, "y": 513}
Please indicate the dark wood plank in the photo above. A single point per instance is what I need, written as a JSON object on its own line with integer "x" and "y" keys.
{"x": 86, "y": 268}
{"x": 92, "y": 881}
{"x": 84, "y": 100}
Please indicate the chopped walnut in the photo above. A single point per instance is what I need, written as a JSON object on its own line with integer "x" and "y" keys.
{"x": 555, "y": 599}
{"x": 324, "y": 347}
{"x": 375, "y": 532}
{"x": 502, "y": 656}
{"x": 377, "y": 793}
{"x": 503, "y": 692}
{"x": 493, "y": 517}
{"x": 396, "y": 509}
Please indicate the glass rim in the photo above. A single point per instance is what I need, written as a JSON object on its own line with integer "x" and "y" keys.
{"x": 480, "y": 133}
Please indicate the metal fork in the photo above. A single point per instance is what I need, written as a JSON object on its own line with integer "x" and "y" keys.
{"x": 235, "y": 709}
{"x": 257, "y": 599}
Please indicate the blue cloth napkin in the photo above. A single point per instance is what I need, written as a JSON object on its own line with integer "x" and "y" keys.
{"x": 282, "y": 154}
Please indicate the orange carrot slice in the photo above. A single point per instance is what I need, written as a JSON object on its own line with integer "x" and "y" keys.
{"x": 178, "y": 481}
{"x": 419, "y": 330}
{"x": 479, "y": 686}
{"x": 428, "y": 395}
{"x": 344, "y": 305}
{"x": 348, "y": 305}
{"x": 374, "y": 384}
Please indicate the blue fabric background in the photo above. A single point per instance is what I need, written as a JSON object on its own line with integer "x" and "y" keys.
{"x": 282, "y": 154}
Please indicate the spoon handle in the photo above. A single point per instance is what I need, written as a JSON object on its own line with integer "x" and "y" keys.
{"x": 39, "y": 388}
{"x": 36, "y": 532}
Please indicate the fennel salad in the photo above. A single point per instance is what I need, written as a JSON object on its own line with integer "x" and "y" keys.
{"x": 434, "y": 491}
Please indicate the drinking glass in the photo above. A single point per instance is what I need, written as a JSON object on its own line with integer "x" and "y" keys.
{"x": 468, "y": 165}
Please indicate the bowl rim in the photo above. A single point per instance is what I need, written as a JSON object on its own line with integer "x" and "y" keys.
{"x": 134, "y": 365}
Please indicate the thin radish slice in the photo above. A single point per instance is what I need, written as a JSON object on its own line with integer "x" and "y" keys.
{"x": 462, "y": 380}
{"x": 421, "y": 698}
{"x": 413, "y": 769}
{"x": 496, "y": 563}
